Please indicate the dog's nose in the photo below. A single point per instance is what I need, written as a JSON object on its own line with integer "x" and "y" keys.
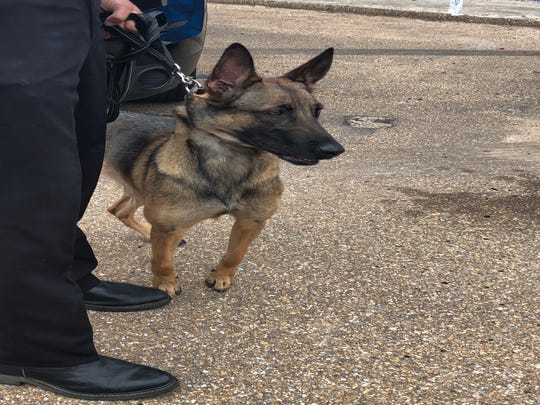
{"x": 331, "y": 149}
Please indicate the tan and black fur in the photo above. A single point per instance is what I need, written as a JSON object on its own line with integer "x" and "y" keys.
{"x": 220, "y": 155}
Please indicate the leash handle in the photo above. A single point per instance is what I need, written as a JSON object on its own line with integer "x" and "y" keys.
{"x": 146, "y": 41}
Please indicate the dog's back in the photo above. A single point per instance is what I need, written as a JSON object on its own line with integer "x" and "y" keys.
{"x": 130, "y": 135}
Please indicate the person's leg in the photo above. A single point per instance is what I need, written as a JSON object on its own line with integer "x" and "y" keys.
{"x": 90, "y": 128}
{"x": 45, "y": 334}
{"x": 42, "y": 315}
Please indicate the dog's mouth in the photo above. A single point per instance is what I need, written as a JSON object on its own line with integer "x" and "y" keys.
{"x": 298, "y": 161}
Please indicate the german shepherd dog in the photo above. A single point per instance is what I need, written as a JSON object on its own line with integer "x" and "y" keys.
{"x": 219, "y": 155}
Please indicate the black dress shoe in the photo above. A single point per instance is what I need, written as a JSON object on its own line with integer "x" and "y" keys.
{"x": 101, "y": 380}
{"x": 122, "y": 297}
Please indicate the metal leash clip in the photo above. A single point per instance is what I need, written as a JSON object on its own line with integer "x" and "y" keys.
{"x": 191, "y": 84}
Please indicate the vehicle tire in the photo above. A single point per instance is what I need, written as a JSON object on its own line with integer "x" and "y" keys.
{"x": 176, "y": 94}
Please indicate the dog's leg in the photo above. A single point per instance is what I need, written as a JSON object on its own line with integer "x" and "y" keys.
{"x": 243, "y": 232}
{"x": 164, "y": 243}
{"x": 124, "y": 209}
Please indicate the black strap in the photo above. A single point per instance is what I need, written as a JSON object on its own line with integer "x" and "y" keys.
{"x": 120, "y": 68}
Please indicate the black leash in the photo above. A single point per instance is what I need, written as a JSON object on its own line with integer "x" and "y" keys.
{"x": 120, "y": 68}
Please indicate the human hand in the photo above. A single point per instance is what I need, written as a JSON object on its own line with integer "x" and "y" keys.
{"x": 120, "y": 9}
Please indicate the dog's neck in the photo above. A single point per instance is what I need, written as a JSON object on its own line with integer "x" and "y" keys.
{"x": 228, "y": 166}
{"x": 181, "y": 114}
{"x": 185, "y": 125}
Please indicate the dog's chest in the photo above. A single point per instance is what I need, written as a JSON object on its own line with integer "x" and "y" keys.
{"x": 229, "y": 178}
{"x": 217, "y": 177}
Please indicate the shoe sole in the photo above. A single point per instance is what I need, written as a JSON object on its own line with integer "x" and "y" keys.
{"x": 128, "y": 308}
{"x": 151, "y": 392}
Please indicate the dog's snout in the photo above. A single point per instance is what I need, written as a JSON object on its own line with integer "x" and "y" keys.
{"x": 331, "y": 148}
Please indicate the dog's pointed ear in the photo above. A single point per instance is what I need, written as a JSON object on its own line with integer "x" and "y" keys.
{"x": 313, "y": 70}
{"x": 233, "y": 73}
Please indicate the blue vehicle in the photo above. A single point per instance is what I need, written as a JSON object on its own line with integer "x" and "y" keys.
{"x": 183, "y": 30}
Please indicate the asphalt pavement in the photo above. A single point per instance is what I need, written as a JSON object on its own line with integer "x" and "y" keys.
{"x": 406, "y": 270}
{"x": 513, "y": 12}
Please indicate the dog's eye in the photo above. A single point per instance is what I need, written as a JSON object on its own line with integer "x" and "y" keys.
{"x": 280, "y": 110}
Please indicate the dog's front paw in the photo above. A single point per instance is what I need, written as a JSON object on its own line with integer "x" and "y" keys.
{"x": 170, "y": 285}
{"x": 219, "y": 283}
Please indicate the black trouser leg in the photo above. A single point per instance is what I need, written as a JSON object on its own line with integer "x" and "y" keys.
{"x": 44, "y": 45}
{"x": 90, "y": 125}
